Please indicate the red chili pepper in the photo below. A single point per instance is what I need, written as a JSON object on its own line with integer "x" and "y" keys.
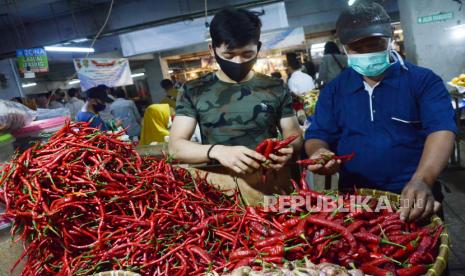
{"x": 375, "y": 271}
{"x": 269, "y": 148}
{"x": 412, "y": 271}
{"x": 242, "y": 253}
{"x": 338, "y": 228}
{"x": 284, "y": 143}
{"x": 269, "y": 241}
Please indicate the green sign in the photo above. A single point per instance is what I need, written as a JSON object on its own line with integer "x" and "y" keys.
{"x": 32, "y": 60}
{"x": 443, "y": 16}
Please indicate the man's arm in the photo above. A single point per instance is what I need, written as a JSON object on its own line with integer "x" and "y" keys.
{"x": 180, "y": 146}
{"x": 418, "y": 199}
{"x": 238, "y": 158}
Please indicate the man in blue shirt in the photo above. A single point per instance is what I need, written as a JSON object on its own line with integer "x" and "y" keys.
{"x": 95, "y": 102}
{"x": 396, "y": 117}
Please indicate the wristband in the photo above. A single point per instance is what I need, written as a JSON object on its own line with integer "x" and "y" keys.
{"x": 209, "y": 150}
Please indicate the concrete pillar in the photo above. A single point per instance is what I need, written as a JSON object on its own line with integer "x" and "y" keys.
{"x": 436, "y": 45}
{"x": 154, "y": 74}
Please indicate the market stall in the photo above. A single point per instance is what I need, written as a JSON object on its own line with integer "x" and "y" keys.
{"x": 87, "y": 202}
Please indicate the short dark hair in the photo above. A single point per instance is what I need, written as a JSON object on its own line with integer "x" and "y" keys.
{"x": 72, "y": 92}
{"x": 119, "y": 93}
{"x": 331, "y": 48}
{"x": 235, "y": 28}
{"x": 292, "y": 61}
{"x": 276, "y": 74}
{"x": 166, "y": 84}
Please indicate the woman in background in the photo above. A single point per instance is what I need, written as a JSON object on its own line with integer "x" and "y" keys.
{"x": 332, "y": 63}
{"x": 156, "y": 123}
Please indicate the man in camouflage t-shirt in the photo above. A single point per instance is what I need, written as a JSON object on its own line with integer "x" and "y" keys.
{"x": 235, "y": 107}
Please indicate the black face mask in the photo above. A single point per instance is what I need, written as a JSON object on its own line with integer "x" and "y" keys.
{"x": 99, "y": 107}
{"x": 236, "y": 71}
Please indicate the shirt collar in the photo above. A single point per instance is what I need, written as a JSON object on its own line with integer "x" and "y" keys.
{"x": 391, "y": 78}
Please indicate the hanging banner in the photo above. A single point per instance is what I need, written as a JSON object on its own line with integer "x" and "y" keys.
{"x": 281, "y": 39}
{"x": 109, "y": 71}
{"x": 32, "y": 60}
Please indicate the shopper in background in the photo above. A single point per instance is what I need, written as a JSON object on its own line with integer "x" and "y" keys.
{"x": 126, "y": 111}
{"x": 156, "y": 124}
{"x": 235, "y": 107}
{"x": 171, "y": 92}
{"x": 57, "y": 99}
{"x": 396, "y": 117}
{"x": 331, "y": 64}
{"x": 106, "y": 114}
{"x": 96, "y": 99}
{"x": 299, "y": 82}
{"x": 42, "y": 100}
{"x": 277, "y": 75}
{"x": 310, "y": 68}
{"x": 74, "y": 104}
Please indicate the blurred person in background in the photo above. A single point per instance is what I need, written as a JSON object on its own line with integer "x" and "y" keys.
{"x": 74, "y": 104}
{"x": 155, "y": 124}
{"x": 299, "y": 83}
{"x": 277, "y": 75}
{"x": 106, "y": 114}
{"x": 310, "y": 68}
{"x": 126, "y": 111}
{"x": 57, "y": 99}
{"x": 42, "y": 100}
{"x": 332, "y": 63}
{"x": 96, "y": 99}
{"x": 171, "y": 93}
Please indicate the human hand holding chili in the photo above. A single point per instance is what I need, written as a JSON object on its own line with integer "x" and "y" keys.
{"x": 240, "y": 159}
{"x": 279, "y": 161}
{"x": 329, "y": 168}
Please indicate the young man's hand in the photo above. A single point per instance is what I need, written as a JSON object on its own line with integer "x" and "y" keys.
{"x": 330, "y": 168}
{"x": 240, "y": 159}
{"x": 417, "y": 201}
{"x": 282, "y": 159}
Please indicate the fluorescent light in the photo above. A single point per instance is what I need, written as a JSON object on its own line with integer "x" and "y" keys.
{"x": 351, "y": 2}
{"x": 398, "y": 31}
{"x": 29, "y": 84}
{"x": 458, "y": 33}
{"x": 138, "y": 75}
{"x": 79, "y": 40}
{"x": 74, "y": 82}
{"x": 170, "y": 71}
{"x": 69, "y": 49}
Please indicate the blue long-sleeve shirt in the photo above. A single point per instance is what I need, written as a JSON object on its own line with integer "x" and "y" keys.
{"x": 387, "y": 129}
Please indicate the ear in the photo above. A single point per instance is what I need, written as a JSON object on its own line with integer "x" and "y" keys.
{"x": 211, "y": 49}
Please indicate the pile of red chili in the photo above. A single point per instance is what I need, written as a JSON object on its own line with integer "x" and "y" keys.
{"x": 378, "y": 243}
{"x": 86, "y": 202}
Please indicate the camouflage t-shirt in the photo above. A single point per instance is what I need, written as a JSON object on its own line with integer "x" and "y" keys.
{"x": 236, "y": 114}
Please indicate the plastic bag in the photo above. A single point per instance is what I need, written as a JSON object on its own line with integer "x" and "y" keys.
{"x": 43, "y": 114}
{"x": 14, "y": 115}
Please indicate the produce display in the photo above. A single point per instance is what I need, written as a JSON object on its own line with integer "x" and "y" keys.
{"x": 459, "y": 80}
{"x": 86, "y": 202}
{"x": 303, "y": 267}
{"x": 459, "y": 83}
{"x": 309, "y": 102}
